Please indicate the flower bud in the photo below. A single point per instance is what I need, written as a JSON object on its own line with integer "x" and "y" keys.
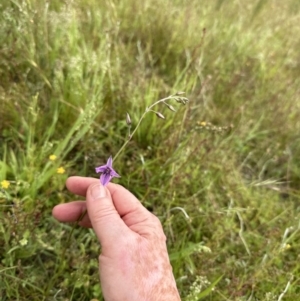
{"x": 128, "y": 119}
{"x": 160, "y": 115}
{"x": 170, "y": 107}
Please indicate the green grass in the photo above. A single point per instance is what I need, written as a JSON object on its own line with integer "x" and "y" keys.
{"x": 229, "y": 200}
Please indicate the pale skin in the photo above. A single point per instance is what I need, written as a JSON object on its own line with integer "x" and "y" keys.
{"x": 134, "y": 263}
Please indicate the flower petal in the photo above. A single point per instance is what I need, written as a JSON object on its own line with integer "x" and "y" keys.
{"x": 105, "y": 178}
{"x": 109, "y": 162}
{"x": 114, "y": 174}
{"x": 101, "y": 168}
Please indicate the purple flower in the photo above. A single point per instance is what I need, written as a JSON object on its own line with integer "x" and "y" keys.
{"x": 107, "y": 172}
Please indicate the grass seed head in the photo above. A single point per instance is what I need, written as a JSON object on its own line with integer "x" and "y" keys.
{"x": 182, "y": 100}
{"x": 170, "y": 107}
{"x": 160, "y": 115}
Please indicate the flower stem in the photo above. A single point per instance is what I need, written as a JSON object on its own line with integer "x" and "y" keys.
{"x": 149, "y": 109}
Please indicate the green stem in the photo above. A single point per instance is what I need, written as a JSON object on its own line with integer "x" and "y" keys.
{"x": 139, "y": 122}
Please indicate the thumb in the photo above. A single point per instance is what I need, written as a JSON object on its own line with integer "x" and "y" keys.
{"x": 105, "y": 219}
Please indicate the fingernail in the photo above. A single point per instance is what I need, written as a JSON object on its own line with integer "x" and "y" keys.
{"x": 98, "y": 191}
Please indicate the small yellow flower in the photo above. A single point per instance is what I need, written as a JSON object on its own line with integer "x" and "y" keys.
{"x": 5, "y": 184}
{"x": 203, "y": 123}
{"x": 52, "y": 157}
{"x": 60, "y": 170}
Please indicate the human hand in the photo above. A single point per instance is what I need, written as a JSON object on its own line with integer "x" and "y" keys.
{"x": 134, "y": 263}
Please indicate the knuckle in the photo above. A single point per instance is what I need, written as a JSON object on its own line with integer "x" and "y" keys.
{"x": 158, "y": 229}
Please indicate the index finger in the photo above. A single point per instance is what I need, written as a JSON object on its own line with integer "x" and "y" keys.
{"x": 124, "y": 201}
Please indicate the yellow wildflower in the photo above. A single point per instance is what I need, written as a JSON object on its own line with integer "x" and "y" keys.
{"x": 60, "y": 170}
{"x": 5, "y": 184}
{"x": 52, "y": 157}
{"x": 203, "y": 123}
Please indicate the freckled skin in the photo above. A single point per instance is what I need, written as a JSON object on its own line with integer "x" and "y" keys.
{"x": 142, "y": 272}
{"x": 150, "y": 260}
